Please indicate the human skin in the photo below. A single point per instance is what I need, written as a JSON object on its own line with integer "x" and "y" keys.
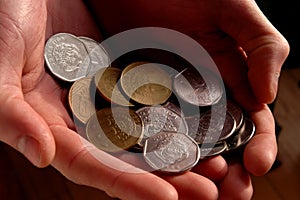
{"x": 35, "y": 121}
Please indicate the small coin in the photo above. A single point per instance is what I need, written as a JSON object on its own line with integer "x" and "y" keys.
{"x": 146, "y": 83}
{"x": 114, "y": 129}
{"x": 204, "y": 130}
{"x": 242, "y": 137}
{"x": 158, "y": 118}
{"x": 98, "y": 55}
{"x": 106, "y": 81}
{"x": 66, "y": 57}
{"x": 80, "y": 99}
{"x": 208, "y": 150}
{"x": 171, "y": 152}
{"x": 190, "y": 86}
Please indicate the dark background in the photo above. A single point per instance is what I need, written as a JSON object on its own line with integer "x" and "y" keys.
{"x": 284, "y": 16}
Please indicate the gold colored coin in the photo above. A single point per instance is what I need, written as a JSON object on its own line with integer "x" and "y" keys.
{"x": 146, "y": 83}
{"x": 114, "y": 129}
{"x": 106, "y": 80}
{"x": 80, "y": 100}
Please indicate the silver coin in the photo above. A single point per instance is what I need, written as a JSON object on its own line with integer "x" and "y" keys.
{"x": 98, "y": 55}
{"x": 204, "y": 130}
{"x": 208, "y": 150}
{"x": 66, "y": 57}
{"x": 236, "y": 113}
{"x": 190, "y": 86}
{"x": 171, "y": 152}
{"x": 159, "y": 118}
{"x": 242, "y": 137}
{"x": 173, "y": 107}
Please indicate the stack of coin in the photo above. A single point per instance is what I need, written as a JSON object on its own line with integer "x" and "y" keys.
{"x": 140, "y": 107}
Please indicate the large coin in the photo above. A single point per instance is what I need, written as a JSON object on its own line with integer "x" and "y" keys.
{"x": 242, "y": 137}
{"x": 66, "y": 57}
{"x": 98, "y": 55}
{"x": 190, "y": 86}
{"x": 146, "y": 83}
{"x": 114, "y": 129}
{"x": 171, "y": 152}
{"x": 158, "y": 118}
{"x": 106, "y": 80}
{"x": 80, "y": 100}
{"x": 204, "y": 130}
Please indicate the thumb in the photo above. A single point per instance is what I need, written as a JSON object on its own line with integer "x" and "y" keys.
{"x": 265, "y": 48}
{"x": 22, "y": 128}
{"x": 265, "y": 61}
{"x": 20, "y": 125}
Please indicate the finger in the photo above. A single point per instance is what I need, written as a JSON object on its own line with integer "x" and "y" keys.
{"x": 262, "y": 148}
{"x": 266, "y": 49}
{"x": 75, "y": 160}
{"x": 214, "y": 168}
{"x": 236, "y": 184}
{"x": 193, "y": 186}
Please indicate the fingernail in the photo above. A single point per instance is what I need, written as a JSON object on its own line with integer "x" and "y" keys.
{"x": 30, "y": 148}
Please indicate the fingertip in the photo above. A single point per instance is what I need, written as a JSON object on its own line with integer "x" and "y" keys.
{"x": 27, "y": 132}
{"x": 260, "y": 155}
{"x": 39, "y": 153}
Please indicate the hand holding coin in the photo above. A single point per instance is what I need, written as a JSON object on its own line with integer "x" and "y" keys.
{"x": 34, "y": 116}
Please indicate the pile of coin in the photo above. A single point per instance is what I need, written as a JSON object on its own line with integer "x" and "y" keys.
{"x": 174, "y": 119}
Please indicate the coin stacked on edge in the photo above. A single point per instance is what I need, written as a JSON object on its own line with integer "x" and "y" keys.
{"x": 175, "y": 120}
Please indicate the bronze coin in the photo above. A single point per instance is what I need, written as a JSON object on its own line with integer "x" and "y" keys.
{"x": 146, "y": 83}
{"x": 191, "y": 87}
{"x": 114, "y": 129}
{"x": 106, "y": 80}
{"x": 80, "y": 100}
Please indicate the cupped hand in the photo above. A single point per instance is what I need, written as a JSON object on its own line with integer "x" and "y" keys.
{"x": 247, "y": 49}
{"x": 35, "y": 121}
